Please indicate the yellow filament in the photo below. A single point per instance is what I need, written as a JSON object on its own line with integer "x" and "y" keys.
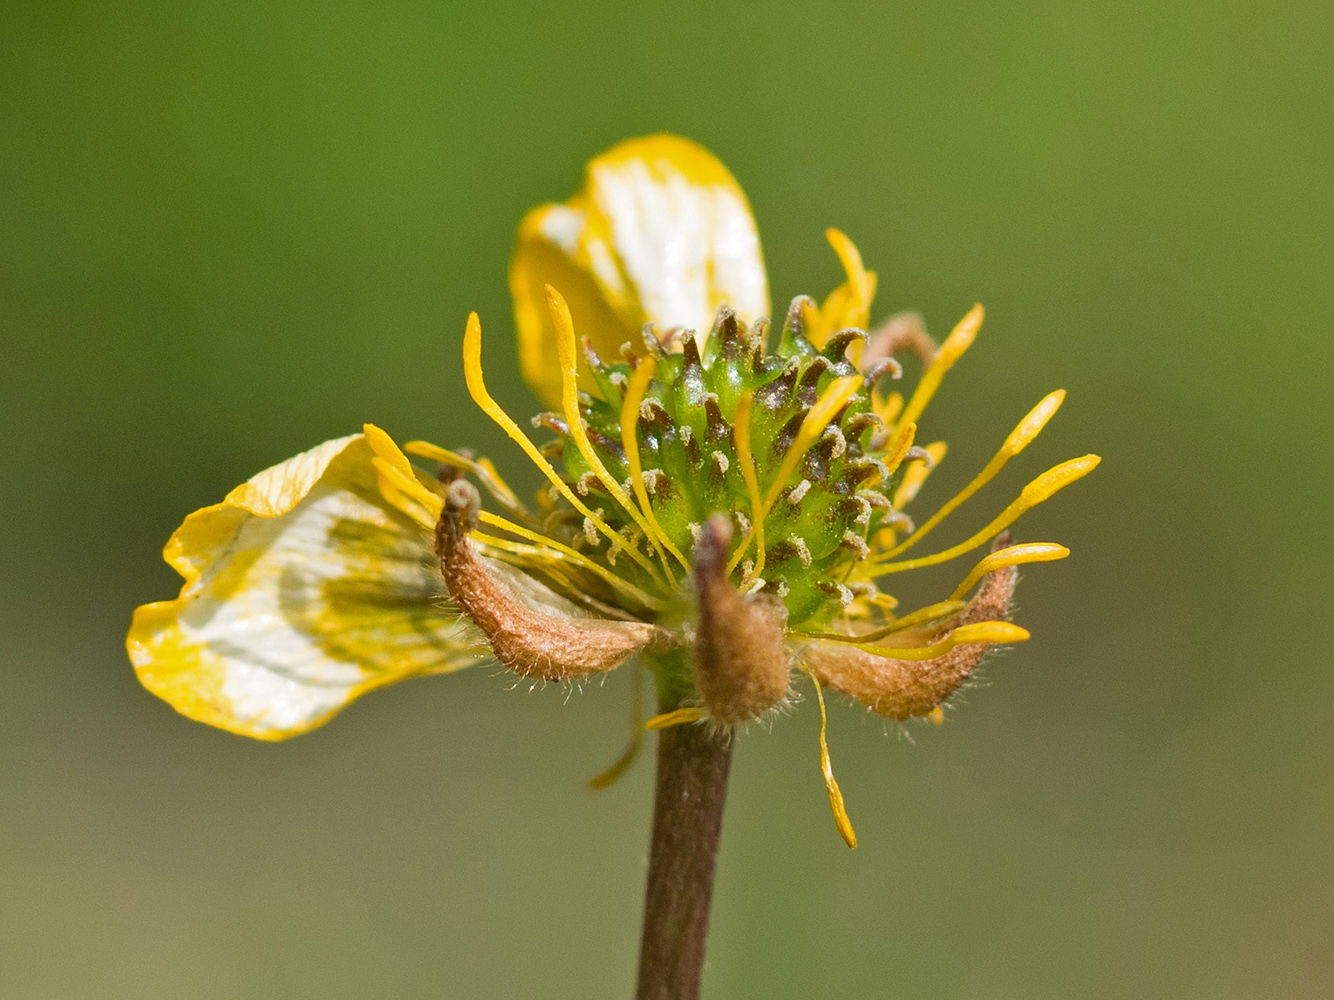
{"x": 959, "y": 340}
{"x": 569, "y": 397}
{"x": 1015, "y": 555}
{"x": 677, "y": 718}
{"x": 397, "y": 481}
{"x": 383, "y": 445}
{"x": 1034, "y": 493}
{"x": 569, "y": 555}
{"x": 1019, "y": 439}
{"x": 747, "y": 460}
{"x": 634, "y": 396}
{"x": 835, "y": 794}
{"x": 850, "y": 303}
{"x": 923, "y": 616}
{"x": 915, "y": 475}
{"x": 937, "y": 715}
{"x": 887, "y": 408}
{"x": 481, "y": 468}
{"x": 396, "y": 490}
{"x": 894, "y": 457}
{"x": 979, "y": 632}
{"x": 622, "y": 763}
{"x": 472, "y": 373}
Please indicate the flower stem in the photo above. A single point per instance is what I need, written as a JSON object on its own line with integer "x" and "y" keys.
{"x": 689, "y": 792}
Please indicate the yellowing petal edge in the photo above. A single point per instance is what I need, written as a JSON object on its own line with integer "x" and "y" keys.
{"x": 303, "y": 590}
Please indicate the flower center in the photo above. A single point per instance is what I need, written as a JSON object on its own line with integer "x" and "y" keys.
{"x": 786, "y": 444}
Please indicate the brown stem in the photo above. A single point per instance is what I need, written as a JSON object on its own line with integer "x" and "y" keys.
{"x": 691, "y": 786}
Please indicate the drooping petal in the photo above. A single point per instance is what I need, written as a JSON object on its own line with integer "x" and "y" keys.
{"x": 303, "y": 589}
{"x": 660, "y": 232}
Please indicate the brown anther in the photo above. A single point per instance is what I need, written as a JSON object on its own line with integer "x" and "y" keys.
{"x": 741, "y": 666}
{"x": 531, "y": 630}
{"x": 900, "y": 689}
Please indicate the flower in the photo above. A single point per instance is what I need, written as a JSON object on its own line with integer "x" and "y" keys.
{"x": 728, "y": 512}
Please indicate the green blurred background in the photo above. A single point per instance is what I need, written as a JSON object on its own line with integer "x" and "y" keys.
{"x": 228, "y": 232}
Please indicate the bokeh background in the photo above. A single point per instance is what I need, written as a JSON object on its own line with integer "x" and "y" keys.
{"x": 230, "y": 231}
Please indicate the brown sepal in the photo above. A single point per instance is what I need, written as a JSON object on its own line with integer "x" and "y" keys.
{"x": 542, "y": 640}
{"x": 741, "y": 666}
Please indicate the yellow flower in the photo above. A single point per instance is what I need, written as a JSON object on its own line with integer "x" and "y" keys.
{"x": 727, "y": 510}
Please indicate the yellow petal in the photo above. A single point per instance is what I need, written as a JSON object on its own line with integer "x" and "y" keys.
{"x": 660, "y": 232}
{"x": 303, "y": 589}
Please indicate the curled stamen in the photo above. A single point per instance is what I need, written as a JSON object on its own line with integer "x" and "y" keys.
{"x": 565, "y": 347}
{"x": 472, "y": 374}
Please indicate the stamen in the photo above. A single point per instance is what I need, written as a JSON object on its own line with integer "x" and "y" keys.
{"x": 571, "y": 555}
{"x": 899, "y": 450}
{"x": 472, "y": 374}
{"x": 848, "y": 305}
{"x": 916, "y": 473}
{"x": 840, "y": 811}
{"x": 677, "y": 718}
{"x": 923, "y": 616}
{"x": 482, "y": 468}
{"x": 1019, "y": 439}
{"x": 747, "y": 460}
{"x": 979, "y": 632}
{"x": 1040, "y": 489}
{"x": 1015, "y": 555}
{"x": 622, "y": 763}
{"x": 959, "y": 340}
{"x": 861, "y": 281}
{"x": 565, "y": 349}
{"x": 634, "y": 396}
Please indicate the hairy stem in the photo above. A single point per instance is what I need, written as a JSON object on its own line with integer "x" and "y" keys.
{"x": 690, "y": 788}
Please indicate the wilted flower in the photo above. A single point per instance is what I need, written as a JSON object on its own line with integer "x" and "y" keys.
{"x": 726, "y": 510}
